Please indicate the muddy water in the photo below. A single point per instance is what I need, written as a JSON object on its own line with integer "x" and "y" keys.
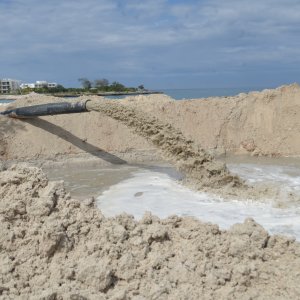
{"x": 163, "y": 196}
{"x": 89, "y": 181}
{"x": 92, "y": 181}
{"x": 138, "y": 188}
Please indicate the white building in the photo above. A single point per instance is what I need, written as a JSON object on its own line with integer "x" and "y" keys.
{"x": 27, "y": 85}
{"x": 52, "y": 85}
{"x": 38, "y": 85}
{"x": 9, "y": 85}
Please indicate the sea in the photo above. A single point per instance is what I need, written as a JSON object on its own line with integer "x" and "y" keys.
{"x": 182, "y": 94}
{"x": 196, "y": 93}
{"x": 6, "y": 101}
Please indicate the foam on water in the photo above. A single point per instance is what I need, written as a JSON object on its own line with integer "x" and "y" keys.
{"x": 163, "y": 196}
{"x": 287, "y": 176}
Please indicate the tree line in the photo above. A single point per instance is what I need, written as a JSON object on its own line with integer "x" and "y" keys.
{"x": 87, "y": 86}
{"x": 104, "y": 85}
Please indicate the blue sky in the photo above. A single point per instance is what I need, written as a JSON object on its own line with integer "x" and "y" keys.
{"x": 158, "y": 43}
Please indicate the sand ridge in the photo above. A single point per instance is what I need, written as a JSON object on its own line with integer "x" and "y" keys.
{"x": 55, "y": 247}
{"x": 258, "y": 123}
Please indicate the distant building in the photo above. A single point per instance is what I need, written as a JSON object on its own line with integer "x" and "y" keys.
{"x": 38, "y": 85}
{"x": 27, "y": 85}
{"x": 41, "y": 84}
{"x": 9, "y": 85}
{"x": 52, "y": 85}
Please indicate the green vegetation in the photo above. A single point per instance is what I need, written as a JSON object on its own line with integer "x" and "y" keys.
{"x": 88, "y": 87}
{"x": 102, "y": 85}
{"x": 45, "y": 90}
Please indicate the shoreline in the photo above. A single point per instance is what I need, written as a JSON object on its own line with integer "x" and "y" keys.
{"x": 67, "y": 95}
{"x": 103, "y": 94}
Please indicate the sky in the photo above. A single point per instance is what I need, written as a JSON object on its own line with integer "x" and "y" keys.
{"x": 157, "y": 43}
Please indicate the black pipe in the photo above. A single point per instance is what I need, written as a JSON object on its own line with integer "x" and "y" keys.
{"x": 46, "y": 109}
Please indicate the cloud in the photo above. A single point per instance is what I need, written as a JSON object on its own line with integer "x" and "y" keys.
{"x": 158, "y": 36}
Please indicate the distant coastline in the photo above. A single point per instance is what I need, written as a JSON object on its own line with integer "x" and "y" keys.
{"x": 104, "y": 94}
{"x": 177, "y": 94}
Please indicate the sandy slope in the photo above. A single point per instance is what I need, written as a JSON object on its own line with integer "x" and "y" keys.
{"x": 265, "y": 123}
{"x": 54, "y": 247}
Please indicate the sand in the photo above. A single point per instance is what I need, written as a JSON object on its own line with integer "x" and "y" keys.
{"x": 56, "y": 247}
{"x": 192, "y": 160}
{"x": 259, "y": 123}
{"x": 202, "y": 171}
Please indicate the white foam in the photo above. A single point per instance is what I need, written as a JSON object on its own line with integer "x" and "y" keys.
{"x": 288, "y": 176}
{"x": 163, "y": 196}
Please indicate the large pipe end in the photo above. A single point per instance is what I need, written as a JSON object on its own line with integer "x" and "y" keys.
{"x": 47, "y": 109}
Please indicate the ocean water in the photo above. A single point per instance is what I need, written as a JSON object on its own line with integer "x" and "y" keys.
{"x": 196, "y": 93}
{"x": 179, "y": 94}
{"x": 6, "y": 101}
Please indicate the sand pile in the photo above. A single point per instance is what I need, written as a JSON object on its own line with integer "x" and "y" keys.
{"x": 194, "y": 161}
{"x": 258, "y": 123}
{"x": 202, "y": 170}
{"x": 58, "y": 137}
{"x": 55, "y": 247}
{"x": 201, "y": 167}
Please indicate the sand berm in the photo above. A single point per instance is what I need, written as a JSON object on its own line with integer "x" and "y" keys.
{"x": 258, "y": 123}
